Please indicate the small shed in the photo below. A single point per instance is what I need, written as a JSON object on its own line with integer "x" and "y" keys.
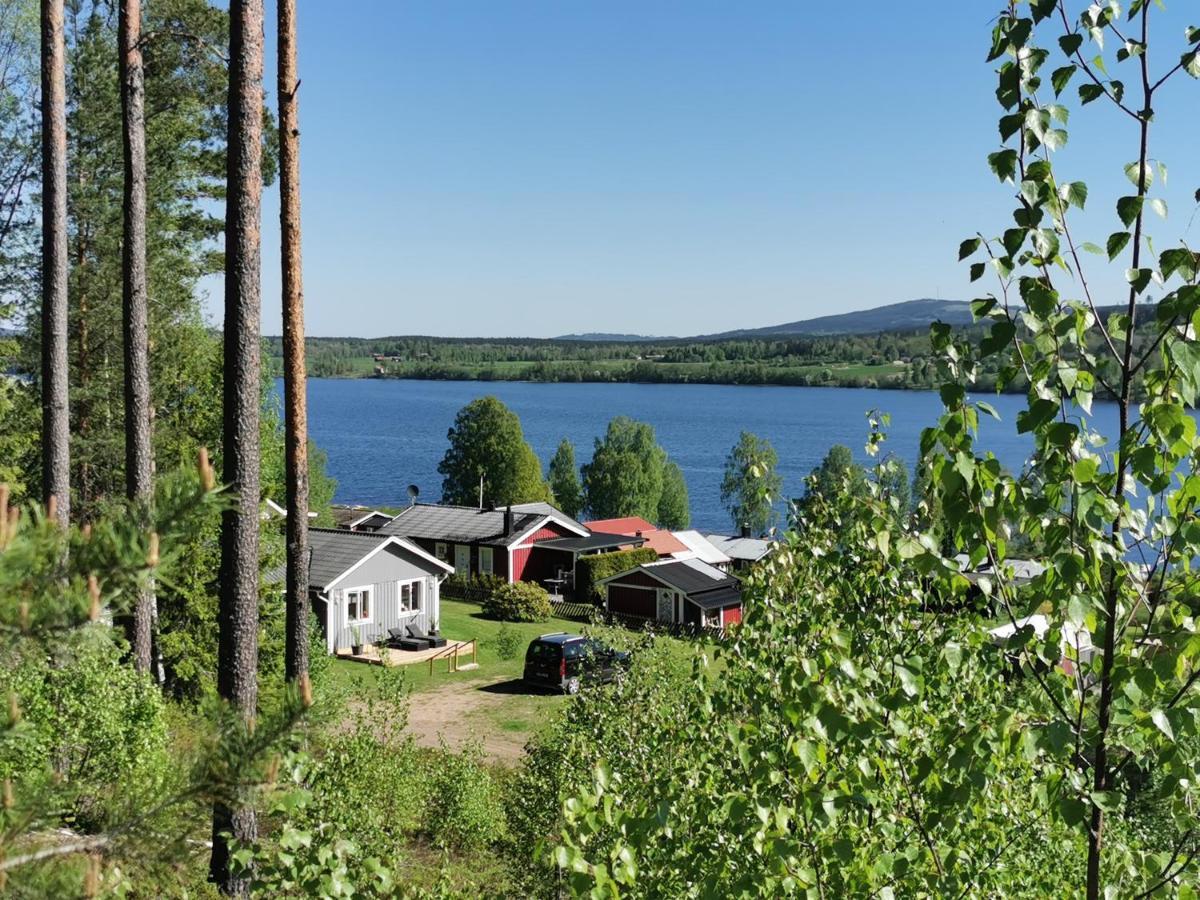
{"x": 685, "y": 591}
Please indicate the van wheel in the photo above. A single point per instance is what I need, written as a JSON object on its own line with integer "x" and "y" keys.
{"x": 572, "y": 686}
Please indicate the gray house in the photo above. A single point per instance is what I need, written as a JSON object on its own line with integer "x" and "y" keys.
{"x": 372, "y": 582}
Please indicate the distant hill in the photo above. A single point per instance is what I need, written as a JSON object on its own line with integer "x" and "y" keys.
{"x": 603, "y": 337}
{"x": 906, "y": 316}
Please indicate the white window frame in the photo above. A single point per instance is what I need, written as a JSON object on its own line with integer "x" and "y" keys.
{"x": 367, "y": 589}
{"x": 487, "y": 561}
{"x": 412, "y": 602}
{"x": 442, "y": 551}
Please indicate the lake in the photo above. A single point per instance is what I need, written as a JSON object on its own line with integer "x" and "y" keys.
{"x": 382, "y": 435}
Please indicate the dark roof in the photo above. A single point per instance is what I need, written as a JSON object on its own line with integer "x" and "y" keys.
{"x": 465, "y": 523}
{"x": 345, "y": 515}
{"x": 559, "y": 637}
{"x": 688, "y": 575}
{"x": 335, "y": 550}
{"x": 596, "y": 541}
{"x": 721, "y": 597}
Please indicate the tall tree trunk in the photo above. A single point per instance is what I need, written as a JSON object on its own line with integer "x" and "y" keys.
{"x": 237, "y": 656}
{"x": 294, "y": 376}
{"x": 56, "y": 428}
{"x": 139, "y": 460}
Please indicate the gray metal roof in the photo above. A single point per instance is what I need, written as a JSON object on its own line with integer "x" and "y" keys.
{"x": 547, "y": 509}
{"x": 468, "y": 524}
{"x": 594, "y": 541}
{"x": 744, "y": 548}
{"x": 335, "y": 550}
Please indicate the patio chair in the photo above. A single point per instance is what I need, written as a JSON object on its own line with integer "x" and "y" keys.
{"x": 416, "y": 632}
{"x": 398, "y": 638}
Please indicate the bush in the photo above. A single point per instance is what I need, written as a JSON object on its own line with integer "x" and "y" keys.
{"x": 464, "y": 810}
{"x": 522, "y": 601}
{"x": 591, "y": 569}
{"x": 507, "y": 642}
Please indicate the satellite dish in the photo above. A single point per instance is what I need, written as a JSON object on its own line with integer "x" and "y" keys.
{"x": 413, "y": 493}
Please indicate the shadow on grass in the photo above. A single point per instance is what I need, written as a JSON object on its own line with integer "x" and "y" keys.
{"x": 513, "y": 686}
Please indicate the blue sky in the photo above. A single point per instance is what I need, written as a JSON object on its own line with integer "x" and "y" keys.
{"x": 511, "y": 167}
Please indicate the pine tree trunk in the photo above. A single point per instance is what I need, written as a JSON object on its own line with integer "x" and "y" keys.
{"x": 294, "y": 376}
{"x": 237, "y": 656}
{"x": 56, "y": 429}
{"x": 139, "y": 460}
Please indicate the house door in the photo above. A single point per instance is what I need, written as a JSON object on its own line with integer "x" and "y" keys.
{"x": 462, "y": 559}
{"x": 666, "y": 606}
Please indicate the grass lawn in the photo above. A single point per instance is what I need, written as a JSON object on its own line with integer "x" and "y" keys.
{"x": 490, "y": 702}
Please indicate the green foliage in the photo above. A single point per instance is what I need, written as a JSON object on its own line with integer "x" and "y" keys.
{"x": 464, "y": 808}
{"x": 629, "y": 473}
{"x": 751, "y": 486}
{"x": 507, "y": 642}
{"x": 521, "y": 601}
{"x": 564, "y": 480}
{"x": 1112, "y": 521}
{"x": 673, "y": 510}
{"x": 83, "y": 739}
{"x": 838, "y": 474}
{"x": 486, "y": 442}
{"x": 88, "y": 718}
{"x": 590, "y": 570}
{"x": 846, "y": 742}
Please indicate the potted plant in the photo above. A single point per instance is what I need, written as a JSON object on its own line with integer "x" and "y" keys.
{"x": 356, "y": 645}
{"x": 433, "y": 627}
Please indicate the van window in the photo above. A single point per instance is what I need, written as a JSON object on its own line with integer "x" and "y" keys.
{"x": 540, "y": 650}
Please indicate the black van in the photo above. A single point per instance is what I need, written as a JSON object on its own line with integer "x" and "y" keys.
{"x": 565, "y": 662}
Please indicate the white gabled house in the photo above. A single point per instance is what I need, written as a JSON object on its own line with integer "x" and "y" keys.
{"x": 372, "y": 582}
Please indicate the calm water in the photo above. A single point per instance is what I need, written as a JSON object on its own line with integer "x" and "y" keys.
{"x": 382, "y": 435}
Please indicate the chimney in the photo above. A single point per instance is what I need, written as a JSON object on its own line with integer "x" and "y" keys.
{"x": 508, "y": 520}
{"x": 638, "y": 533}
{"x": 745, "y": 532}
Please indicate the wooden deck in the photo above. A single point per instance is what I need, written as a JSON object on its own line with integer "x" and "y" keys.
{"x": 390, "y": 656}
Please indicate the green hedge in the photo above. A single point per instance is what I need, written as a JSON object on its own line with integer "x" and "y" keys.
{"x": 591, "y": 569}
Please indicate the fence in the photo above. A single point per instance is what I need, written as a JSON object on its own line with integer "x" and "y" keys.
{"x": 585, "y": 612}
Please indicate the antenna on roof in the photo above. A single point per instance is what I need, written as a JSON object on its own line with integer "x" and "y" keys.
{"x": 413, "y": 493}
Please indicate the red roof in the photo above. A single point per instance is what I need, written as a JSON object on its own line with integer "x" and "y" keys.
{"x": 661, "y": 542}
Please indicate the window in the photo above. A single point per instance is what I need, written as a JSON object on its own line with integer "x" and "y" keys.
{"x": 358, "y": 605}
{"x": 441, "y": 551}
{"x": 485, "y": 560}
{"x": 410, "y": 596}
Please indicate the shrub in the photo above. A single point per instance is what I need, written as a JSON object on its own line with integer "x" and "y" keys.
{"x": 523, "y": 601}
{"x": 591, "y": 569}
{"x": 507, "y": 642}
{"x": 464, "y": 810}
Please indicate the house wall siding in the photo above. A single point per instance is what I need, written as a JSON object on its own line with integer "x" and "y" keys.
{"x": 385, "y": 612}
{"x": 632, "y": 601}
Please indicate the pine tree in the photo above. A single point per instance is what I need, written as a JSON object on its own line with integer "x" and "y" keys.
{"x": 294, "y": 379}
{"x": 237, "y": 658}
{"x": 139, "y": 458}
{"x": 56, "y": 429}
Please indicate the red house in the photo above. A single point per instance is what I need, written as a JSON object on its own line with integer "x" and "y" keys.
{"x": 662, "y": 542}
{"x": 500, "y": 542}
{"x": 685, "y": 591}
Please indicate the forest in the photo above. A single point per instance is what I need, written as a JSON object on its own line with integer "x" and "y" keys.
{"x": 902, "y": 360}
{"x": 906, "y": 708}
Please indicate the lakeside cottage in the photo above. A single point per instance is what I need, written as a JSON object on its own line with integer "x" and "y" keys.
{"x": 372, "y": 582}
{"x": 522, "y": 542}
{"x": 681, "y": 592}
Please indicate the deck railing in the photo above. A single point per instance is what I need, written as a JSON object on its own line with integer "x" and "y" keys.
{"x": 453, "y": 653}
